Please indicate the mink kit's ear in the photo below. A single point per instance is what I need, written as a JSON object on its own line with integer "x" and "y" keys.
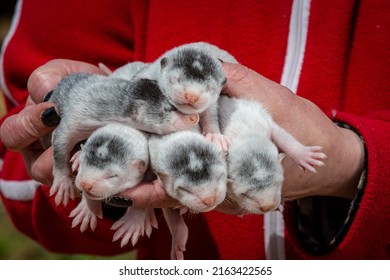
{"x": 164, "y": 62}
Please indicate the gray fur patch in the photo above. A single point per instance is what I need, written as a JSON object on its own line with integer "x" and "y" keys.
{"x": 248, "y": 168}
{"x": 196, "y": 65}
{"x": 147, "y": 94}
{"x": 192, "y": 161}
{"x": 65, "y": 88}
{"x": 103, "y": 151}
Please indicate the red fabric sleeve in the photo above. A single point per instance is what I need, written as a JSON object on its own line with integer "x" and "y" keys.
{"x": 368, "y": 234}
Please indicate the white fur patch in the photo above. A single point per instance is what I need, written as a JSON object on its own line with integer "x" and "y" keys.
{"x": 195, "y": 163}
{"x": 102, "y": 151}
{"x": 197, "y": 65}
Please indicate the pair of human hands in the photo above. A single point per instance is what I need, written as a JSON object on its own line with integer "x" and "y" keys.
{"x": 300, "y": 117}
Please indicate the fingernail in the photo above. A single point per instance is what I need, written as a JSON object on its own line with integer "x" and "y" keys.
{"x": 50, "y": 117}
{"x": 120, "y": 201}
{"x": 47, "y": 96}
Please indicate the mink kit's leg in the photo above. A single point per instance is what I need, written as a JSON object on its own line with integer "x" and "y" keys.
{"x": 305, "y": 156}
{"x": 63, "y": 178}
{"x": 210, "y": 127}
{"x": 179, "y": 232}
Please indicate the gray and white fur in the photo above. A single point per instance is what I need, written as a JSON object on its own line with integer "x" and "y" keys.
{"x": 191, "y": 77}
{"x": 86, "y": 102}
{"x": 190, "y": 168}
{"x": 193, "y": 171}
{"x": 128, "y": 71}
{"x": 254, "y": 162}
{"x": 113, "y": 159}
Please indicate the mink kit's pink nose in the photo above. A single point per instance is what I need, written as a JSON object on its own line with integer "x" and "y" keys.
{"x": 209, "y": 200}
{"x": 86, "y": 185}
{"x": 191, "y": 98}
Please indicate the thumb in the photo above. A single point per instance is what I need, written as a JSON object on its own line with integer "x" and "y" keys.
{"x": 45, "y": 78}
{"x": 239, "y": 79}
{"x": 149, "y": 195}
{"x": 20, "y": 130}
{"x": 245, "y": 82}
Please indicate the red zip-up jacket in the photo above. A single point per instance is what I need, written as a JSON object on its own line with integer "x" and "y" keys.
{"x": 335, "y": 54}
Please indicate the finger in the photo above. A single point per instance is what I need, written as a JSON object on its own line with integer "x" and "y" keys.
{"x": 42, "y": 168}
{"x": 105, "y": 69}
{"x": 237, "y": 77}
{"x": 20, "y": 130}
{"x": 40, "y": 165}
{"x": 244, "y": 82}
{"x": 45, "y": 78}
{"x": 148, "y": 195}
{"x": 235, "y": 73}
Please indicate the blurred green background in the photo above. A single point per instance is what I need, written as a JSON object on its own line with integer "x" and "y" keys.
{"x": 16, "y": 246}
{"x": 13, "y": 244}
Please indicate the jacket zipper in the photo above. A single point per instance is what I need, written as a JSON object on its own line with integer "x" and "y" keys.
{"x": 299, "y": 22}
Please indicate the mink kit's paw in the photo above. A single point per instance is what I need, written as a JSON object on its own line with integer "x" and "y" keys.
{"x": 220, "y": 140}
{"x": 135, "y": 223}
{"x": 75, "y": 161}
{"x": 63, "y": 188}
{"x": 310, "y": 157}
{"x": 82, "y": 215}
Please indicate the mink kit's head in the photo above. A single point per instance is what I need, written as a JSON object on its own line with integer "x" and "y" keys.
{"x": 191, "y": 79}
{"x": 195, "y": 173}
{"x": 110, "y": 163}
{"x": 255, "y": 179}
{"x": 154, "y": 111}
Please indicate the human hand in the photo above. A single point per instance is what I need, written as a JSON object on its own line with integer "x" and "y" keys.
{"x": 147, "y": 194}
{"x": 309, "y": 125}
{"x": 21, "y": 132}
